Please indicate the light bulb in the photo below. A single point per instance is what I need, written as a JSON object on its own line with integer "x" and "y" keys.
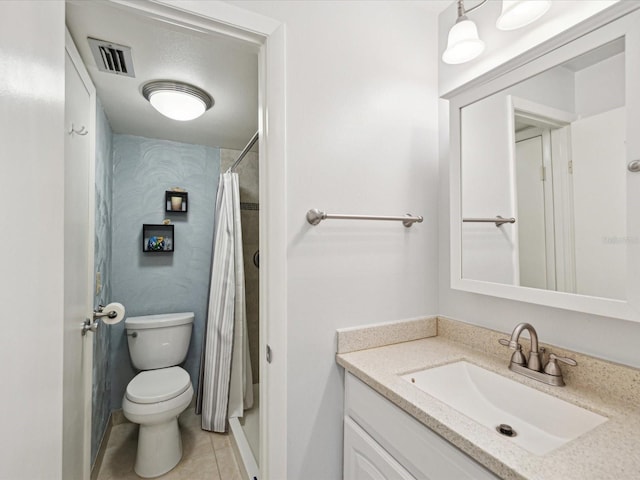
{"x": 463, "y": 42}
{"x": 177, "y": 105}
{"x": 177, "y": 100}
{"x": 518, "y": 13}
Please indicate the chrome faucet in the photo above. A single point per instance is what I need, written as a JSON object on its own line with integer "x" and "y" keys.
{"x": 532, "y": 368}
{"x": 534, "y": 355}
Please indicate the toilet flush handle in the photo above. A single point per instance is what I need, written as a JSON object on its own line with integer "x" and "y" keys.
{"x": 132, "y": 334}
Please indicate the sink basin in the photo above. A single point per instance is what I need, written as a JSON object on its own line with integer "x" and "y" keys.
{"x": 541, "y": 422}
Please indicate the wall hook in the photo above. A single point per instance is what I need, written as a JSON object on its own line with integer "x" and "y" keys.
{"x": 82, "y": 131}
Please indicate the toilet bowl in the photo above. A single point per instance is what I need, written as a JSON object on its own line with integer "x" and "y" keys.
{"x": 157, "y": 395}
{"x": 154, "y": 399}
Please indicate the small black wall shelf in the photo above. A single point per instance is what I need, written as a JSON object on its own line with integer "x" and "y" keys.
{"x": 176, "y": 202}
{"x": 157, "y": 238}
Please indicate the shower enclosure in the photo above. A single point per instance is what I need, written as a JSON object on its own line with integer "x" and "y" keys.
{"x": 245, "y": 430}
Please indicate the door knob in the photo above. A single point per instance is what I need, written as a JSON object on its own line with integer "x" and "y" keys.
{"x": 89, "y": 325}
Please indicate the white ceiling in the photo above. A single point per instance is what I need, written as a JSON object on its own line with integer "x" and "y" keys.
{"x": 435, "y": 6}
{"x": 227, "y": 69}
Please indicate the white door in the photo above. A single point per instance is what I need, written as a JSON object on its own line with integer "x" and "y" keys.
{"x": 599, "y": 159}
{"x": 531, "y": 213}
{"x": 78, "y": 265}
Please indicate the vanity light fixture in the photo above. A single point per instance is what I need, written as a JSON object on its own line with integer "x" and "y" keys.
{"x": 463, "y": 43}
{"x": 177, "y": 100}
{"x": 518, "y": 13}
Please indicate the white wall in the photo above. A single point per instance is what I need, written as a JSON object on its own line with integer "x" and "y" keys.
{"x": 606, "y": 78}
{"x": 361, "y": 92}
{"x": 553, "y": 88}
{"x": 604, "y": 337}
{"x": 31, "y": 257}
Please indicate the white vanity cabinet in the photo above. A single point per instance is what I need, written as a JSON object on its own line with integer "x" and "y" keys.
{"x": 383, "y": 442}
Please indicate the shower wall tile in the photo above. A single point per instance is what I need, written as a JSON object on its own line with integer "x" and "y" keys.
{"x": 148, "y": 283}
{"x": 101, "y": 365}
{"x": 250, "y": 246}
{"x": 247, "y": 172}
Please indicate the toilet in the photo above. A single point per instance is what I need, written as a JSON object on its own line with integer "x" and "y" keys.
{"x": 161, "y": 391}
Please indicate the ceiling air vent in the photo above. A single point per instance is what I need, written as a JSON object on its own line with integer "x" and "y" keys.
{"x": 111, "y": 57}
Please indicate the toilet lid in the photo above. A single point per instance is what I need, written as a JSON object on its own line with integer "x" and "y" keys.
{"x": 153, "y": 386}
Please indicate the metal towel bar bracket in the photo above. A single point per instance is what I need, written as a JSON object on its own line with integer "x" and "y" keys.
{"x": 498, "y": 220}
{"x": 315, "y": 216}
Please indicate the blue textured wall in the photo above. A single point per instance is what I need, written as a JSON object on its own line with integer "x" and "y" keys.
{"x": 148, "y": 283}
{"x": 101, "y": 372}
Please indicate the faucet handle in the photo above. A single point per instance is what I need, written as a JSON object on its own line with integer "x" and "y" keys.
{"x": 567, "y": 360}
{"x": 552, "y": 367}
{"x": 517, "y": 357}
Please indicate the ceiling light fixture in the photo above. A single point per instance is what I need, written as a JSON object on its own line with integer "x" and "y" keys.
{"x": 463, "y": 43}
{"x": 518, "y": 13}
{"x": 177, "y": 100}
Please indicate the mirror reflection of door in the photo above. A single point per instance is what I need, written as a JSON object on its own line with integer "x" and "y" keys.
{"x": 535, "y": 222}
{"x": 599, "y": 182}
{"x": 545, "y": 199}
{"x": 564, "y": 229}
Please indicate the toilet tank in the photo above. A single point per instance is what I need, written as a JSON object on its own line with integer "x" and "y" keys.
{"x": 159, "y": 341}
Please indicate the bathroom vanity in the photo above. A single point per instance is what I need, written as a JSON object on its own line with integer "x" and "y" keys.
{"x": 394, "y": 429}
{"x": 380, "y": 436}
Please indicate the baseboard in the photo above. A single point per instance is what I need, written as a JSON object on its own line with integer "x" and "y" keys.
{"x": 118, "y": 418}
{"x": 97, "y": 464}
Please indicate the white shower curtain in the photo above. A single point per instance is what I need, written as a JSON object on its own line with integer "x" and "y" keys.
{"x": 227, "y": 380}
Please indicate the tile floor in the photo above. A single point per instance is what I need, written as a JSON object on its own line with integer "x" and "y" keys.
{"x": 206, "y": 455}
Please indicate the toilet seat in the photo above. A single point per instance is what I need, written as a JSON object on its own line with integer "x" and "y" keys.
{"x": 153, "y": 386}
{"x": 159, "y": 440}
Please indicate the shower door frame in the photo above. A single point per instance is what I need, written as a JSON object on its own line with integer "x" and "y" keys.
{"x": 268, "y": 36}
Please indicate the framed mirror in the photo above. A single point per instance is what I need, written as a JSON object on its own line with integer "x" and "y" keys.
{"x": 544, "y": 200}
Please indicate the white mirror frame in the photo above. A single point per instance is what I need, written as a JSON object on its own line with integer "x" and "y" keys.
{"x": 579, "y": 39}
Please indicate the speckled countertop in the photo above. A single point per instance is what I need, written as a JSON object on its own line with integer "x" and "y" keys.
{"x": 610, "y": 451}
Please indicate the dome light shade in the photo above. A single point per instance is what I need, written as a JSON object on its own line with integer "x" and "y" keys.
{"x": 463, "y": 43}
{"x": 518, "y": 13}
{"x": 176, "y": 100}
